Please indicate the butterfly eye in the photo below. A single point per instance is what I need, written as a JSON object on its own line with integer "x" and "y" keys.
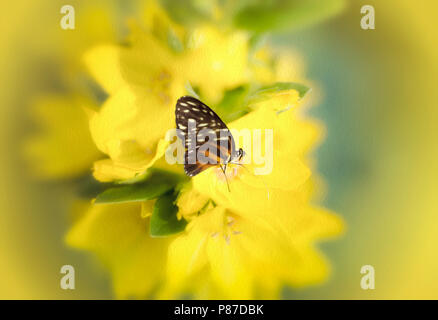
{"x": 240, "y": 153}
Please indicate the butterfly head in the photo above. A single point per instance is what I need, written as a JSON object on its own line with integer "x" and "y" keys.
{"x": 236, "y": 156}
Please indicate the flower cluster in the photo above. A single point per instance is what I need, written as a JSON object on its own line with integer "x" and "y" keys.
{"x": 163, "y": 235}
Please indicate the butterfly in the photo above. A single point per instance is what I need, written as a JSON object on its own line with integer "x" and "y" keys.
{"x": 196, "y": 122}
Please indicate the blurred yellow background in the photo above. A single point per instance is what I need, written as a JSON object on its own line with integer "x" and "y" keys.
{"x": 379, "y": 159}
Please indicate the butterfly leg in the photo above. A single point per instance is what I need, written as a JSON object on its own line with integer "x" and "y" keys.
{"x": 224, "y": 168}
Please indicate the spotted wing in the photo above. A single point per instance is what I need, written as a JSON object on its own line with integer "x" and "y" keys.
{"x": 192, "y": 116}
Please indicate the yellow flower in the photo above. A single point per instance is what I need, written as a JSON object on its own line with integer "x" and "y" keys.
{"x": 260, "y": 235}
{"x": 216, "y": 60}
{"x": 145, "y": 78}
{"x": 244, "y": 243}
{"x": 224, "y": 254}
{"x": 247, "y": 243}
{"x": 117, "y": 235}
{"x": 132, "y": 121}
{"x": 62, "y": 147}
{"x": 292, "y": 139}
{"x": 268, "y": 66}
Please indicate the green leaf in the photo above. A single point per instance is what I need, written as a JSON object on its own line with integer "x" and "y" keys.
{"x": 280, "y": 15}
{"x": 157, "y": 183}
{"x": 232, "y": 105}
{"x": 87, "y": 187}
{"x": 191, "y": 91}
{"x": 174, "y": 42}
{"x": 186, "y": 12}
{"x": 264, "y": 93}
{"x": 281, "y": 86}
{"x": 236, "y": 102}
{"x": 164, "y": 221}
{"x": 257, "y": 40}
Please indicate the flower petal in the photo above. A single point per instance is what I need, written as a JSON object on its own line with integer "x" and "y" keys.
{"x": 65, "y": 148}
{"x": 129, "y": 161}
{"x": 118, "y": 235}
{"x": 127, "y": 129}
{"x": 216, "y": 61}
{"x": 103, "y": 63}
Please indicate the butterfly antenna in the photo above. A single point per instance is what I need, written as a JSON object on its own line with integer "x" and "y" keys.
{"x": 249, "y": 171}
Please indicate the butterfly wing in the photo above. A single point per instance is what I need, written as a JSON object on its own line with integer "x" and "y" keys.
{"x": 191, "y": 109}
